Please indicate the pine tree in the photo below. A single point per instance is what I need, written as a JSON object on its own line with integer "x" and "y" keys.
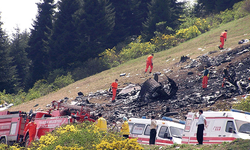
{"x": 39, "y": 39}
{"x": 8, "y": 77}
{"x": 64, "y": 39}
{"x": 95, "y": 22}
{"x": 167, "y": 11}
{"x": 18, "y": 45}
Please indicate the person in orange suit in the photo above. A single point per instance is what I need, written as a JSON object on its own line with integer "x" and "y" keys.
{"x": 205, "y": 78}
{"x": 223, "y": 37}
{"x": 114, "y": 86}
{"x": 149, "y": 62}
{"x": 31, "y": 126}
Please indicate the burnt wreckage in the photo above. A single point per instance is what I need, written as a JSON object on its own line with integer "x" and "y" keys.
{"x": 151, "y": 89}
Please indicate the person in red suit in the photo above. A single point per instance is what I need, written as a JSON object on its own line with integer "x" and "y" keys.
{"x": 223, "y": 37}
{"x": 31, "y": 126}
{"x": 114, "y": 86}
{"x": 149, "y": 62}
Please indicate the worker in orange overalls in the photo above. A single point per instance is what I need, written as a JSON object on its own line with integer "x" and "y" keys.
{"x": 223, "y": 37}
{"x": 31, "y": 126}
{"x": 205, "y": 78}
{"x": 114, "y": 86}
{"x": 149, "y": 62}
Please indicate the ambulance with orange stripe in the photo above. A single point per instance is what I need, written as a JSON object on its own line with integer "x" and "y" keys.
{"x": 223, "y": 126}
{"x": 169, "y": 130}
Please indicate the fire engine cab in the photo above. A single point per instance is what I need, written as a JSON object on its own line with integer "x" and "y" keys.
{"x": 12, "y": 125}
{"x": 168, "y": 132}
{"x": 223, "y": 126}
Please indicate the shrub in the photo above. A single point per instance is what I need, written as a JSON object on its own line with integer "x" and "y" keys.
{"x": 136, "y": 49}
{"x": 244, "y": 104}
{"x": 188, "y": 33}
{"x": 83, "y": 136}
{"x": 62, "y": 81}
{"x": 111, "y": 57}
{"x": 163, "y": 42}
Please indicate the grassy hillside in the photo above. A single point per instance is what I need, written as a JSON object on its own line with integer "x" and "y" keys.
{"x": 209, "y": 41}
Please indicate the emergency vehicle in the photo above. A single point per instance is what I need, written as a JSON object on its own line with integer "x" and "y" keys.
{"x": 12, "y": 125}
{"x": 223, "y": 126}
{"x": 168, "y": 132}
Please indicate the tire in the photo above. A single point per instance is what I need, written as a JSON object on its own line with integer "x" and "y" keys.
{"x": 27, "y": 140}
{"x": 3, "y": 140}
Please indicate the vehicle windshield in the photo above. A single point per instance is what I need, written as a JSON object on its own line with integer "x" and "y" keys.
{"x": 176, "y": 132}
{"x": 243, "y": 126}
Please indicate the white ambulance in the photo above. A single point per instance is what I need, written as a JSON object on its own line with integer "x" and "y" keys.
{"x": 169, "y": 130}
{"x": 223, "y": 126}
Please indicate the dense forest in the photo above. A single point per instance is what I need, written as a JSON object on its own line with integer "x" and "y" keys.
{"x": 70, "y": 35}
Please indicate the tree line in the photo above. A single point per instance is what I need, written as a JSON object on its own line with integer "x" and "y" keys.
{"x": 68, "y": 36}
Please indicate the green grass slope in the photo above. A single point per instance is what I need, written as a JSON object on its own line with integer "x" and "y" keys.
{"x": 237, "y": 30}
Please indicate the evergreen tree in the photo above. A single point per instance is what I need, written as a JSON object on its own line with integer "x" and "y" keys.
{"x": 39, "y": 39}
{"x": 95, "y": 20}
{"x": 64, "y": 39}
{"x": 167, "y": 11}
{"x": 129, "y": 16}
{"x": 18, "y": 45}
{"x": 8, "y": 77}
{"x": 213, "y": 6}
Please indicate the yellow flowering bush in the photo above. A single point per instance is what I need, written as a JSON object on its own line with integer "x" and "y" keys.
{"x": 127, "y": 144}
{"x": 188, "y": 33}
{"x": 111, "y": 57}
{"x": 83, "y": 136}
{"x": 67, "y": 128}
{"x": 136, "y": 49}
{"x": 164, "y": 41}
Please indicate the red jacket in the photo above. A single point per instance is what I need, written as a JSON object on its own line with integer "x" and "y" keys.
{"x": 149, "y": 59}
{"x": 114, "y": 85}
{"x": 224, "y": 35}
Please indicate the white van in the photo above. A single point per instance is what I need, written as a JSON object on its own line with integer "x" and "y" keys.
{"x": 223, "y": 126}
{"x": 169, "y": 130}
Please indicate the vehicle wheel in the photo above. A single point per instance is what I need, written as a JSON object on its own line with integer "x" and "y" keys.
{"x": 3, "y": 141}
{"x": 27, "y": 141}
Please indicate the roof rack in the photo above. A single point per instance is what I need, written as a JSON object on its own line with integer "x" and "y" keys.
{"x": 174, "y": 120}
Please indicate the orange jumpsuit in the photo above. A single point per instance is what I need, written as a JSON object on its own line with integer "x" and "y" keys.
{"x": 223, "y": 37}
{"x": 31, "y": 126}
{"x": 114, "y": 86}
{"x": 149, "y": 63}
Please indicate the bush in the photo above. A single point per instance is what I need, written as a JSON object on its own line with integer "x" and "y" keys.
{"x": 188, "y": 33}
{"x": 62, "y": 81}
{"x": 163, "y": 42}
{"x": 111, "y": 57}
{"x": 244, "y": 104}
{"x": 136, "y": 49}
{"x": 83, "y": 136}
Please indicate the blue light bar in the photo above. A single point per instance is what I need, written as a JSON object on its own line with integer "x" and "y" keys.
{"x": 174, "y": 120}
{"x": 240, "y": 111}
{"x": 143, "y": 117}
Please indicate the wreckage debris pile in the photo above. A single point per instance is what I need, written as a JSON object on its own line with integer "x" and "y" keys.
{"x": 177, "y": 95}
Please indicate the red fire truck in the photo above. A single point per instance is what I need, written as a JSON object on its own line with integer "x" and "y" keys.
{"x": 12, "y": 124}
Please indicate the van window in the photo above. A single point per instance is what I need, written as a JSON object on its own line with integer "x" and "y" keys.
{"x": 138, "y": 129}
{"x": 147, "y": 131}
{"x": 176, "y": 132}
{"x": 230, "y": 127}
{"x": 164, "y": 133}
{"x": 130, "y": 126}
{"x": 243, "y": 126}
